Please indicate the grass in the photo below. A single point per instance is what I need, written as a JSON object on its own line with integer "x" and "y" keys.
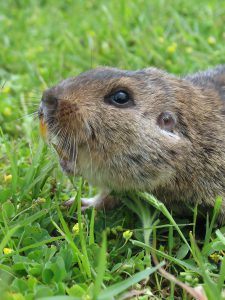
{"x": 49, "y": 252}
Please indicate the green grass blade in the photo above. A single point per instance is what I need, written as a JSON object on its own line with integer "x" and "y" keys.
{"x": 91, "y": 230}
{"x": 102, "y": 263}
{"x": 209, "y": 229}
{"x": 176, "y": 261}
{"x": 81, "y": 232}
{"x": 118, "y": 288}
{"x": 30, "y": 219}
{"x": 7, "y": 269}
{"x": 81, "y": 258}
{"x": 13, "y": 163}
{"x": 210, "y": 286}
{"x": 221, "y": 279}
{"x": 7, "y": 237}
{"x": 220, "y": 236}
{"x": 160, "y": 206}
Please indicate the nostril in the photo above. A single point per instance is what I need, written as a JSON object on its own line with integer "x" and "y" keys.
{"x": 40, "y": 112}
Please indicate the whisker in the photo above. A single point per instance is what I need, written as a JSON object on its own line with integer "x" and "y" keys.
{"x": 70, "y": 145}
{"x": 32, "y": 103}
{"x": 89, "y": 151}
{"x": 62, "y": 142}
{"x": 75, "y": 154}
{"x": 33, "y": 115}
{"x": 57, "y": 133}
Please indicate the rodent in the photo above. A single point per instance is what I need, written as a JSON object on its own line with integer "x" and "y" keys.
{"x": 143, "y": 130}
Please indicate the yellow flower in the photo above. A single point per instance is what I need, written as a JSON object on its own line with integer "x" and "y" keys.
{"x": 127, "y": 234}
{"x": 172, "y": 48}
{"x": 76, "y": 228}
{"x": 215, "y": 257}
{"x": 7, "y": 111}
{"x": 8, "y": 178}
{"x": 7, "y": 250}
{"x": 211, "y": 40}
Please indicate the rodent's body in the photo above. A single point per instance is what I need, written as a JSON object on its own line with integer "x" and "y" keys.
{"x": 167, "y": 138}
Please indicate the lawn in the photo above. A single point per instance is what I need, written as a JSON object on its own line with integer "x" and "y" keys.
{"x": 52, "y": 252}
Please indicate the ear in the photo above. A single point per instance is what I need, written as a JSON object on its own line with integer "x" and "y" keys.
{"x": 167, "y": 121}
{"x": 219, "y": 80}
{"x": 220, "y": 76}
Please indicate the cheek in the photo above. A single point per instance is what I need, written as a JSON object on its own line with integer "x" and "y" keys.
{"x": 178, "y": 150}
{"x": 68, "y": 114}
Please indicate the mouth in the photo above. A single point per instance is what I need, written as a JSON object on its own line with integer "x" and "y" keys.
{"x": 67, "y": 161}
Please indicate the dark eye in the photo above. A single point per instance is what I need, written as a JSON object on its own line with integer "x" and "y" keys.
{"x": 119, "y": 98}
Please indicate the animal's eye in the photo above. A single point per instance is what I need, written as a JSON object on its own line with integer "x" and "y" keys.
{"x": 119, "y": 98}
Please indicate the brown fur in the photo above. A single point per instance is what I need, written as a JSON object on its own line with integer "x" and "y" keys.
{"x": 124, "y": 148}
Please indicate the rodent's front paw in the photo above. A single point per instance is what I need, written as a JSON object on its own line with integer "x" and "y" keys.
{"x": 101, "y": 200}
{"x": 85, "y": 202}
{"x": 91, "y": 202}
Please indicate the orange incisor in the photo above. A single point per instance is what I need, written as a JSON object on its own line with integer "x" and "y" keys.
{"x": 43, "y": 129}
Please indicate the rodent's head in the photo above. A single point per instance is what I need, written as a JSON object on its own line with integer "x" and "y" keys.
{"x": 119, "y": 129}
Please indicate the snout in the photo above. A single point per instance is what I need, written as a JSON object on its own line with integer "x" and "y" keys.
{"x": 46, "y": 111}
{"x": 49, "y": 103}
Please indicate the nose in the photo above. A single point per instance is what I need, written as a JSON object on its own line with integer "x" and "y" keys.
{"x": 49, "y": 100}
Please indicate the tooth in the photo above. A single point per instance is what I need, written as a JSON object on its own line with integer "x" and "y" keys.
{"x": 43, "y": 128}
